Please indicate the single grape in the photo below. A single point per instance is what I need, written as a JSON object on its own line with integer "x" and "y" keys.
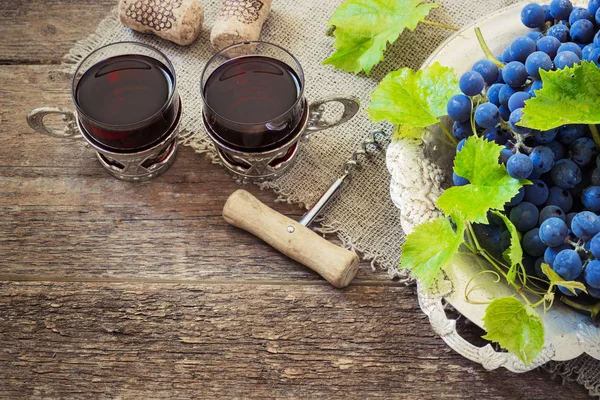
{"x": 544, "y": 137}
{"x": 521, "y": 48}
{"x": 458, "y": 180}
{"x": 536, "y": 61}
{"x": 596, "y": 40}
{"x": 548, "y": 45}
{"x": 591, "y": 198}
{"x": 517, "y": 100}
{"x": 515, "y": 118}
{"x": 593, "y": 6}
{"x": 517, "y": 199}
{"x": 551, "y": 252}
{"x": 471, "y": 83}
{"x": 557, "y": 149}
{"x": 505, "y": 93}
{"x": 583, "y": 151}
{"x": 553, "y": 232}
{"x": 504, "y": 112}
{"x": 535, "y": 35}
{"x": 586, "y": 51}
{"x": 507, "y": 57}
{"x": 524, "y": 216}
{"x": 570, "y": 217}
{"x": 505, "y": 154}
{"x": 533, "y": 16}
{"x": 561, "y": 32}
{"x": 570, "y": 46}
{"x": 547, "y": 16}
{"x": 567, "y": 292}
{"x": 514, "y": 74}
{"x": 561, "y": 198}
{"x": 459, "y": 108}
{"x": 595, "y": 179}
{"x": 460, "y": 145}
{"x": 567, "y": 264}
{"x": 489, "y": 237}
{"x": 595, "y": 246}
{"x": 536, "y": 193}
{"x": 565, "y": 174}
{"x": 567, "y": 134}
{"x": 495, "y": 135}
{"x": 493, "y": 93}
{"x": 594, "y": 57}
{"x": 488, "y": 70}
{"x": 582, "y": 31}
{"x": 551, "y": 212}
{"x": 505, "y": 240}
{"x": 462, "y": 130}
{"x": 560, "y": 9}
{"x": 532, "y": 244}
{"x": 533, "y": 88}
{"x": 585, "y": 225}
{"x": 579, "y": 13}
{"x": 592, "y": 274}
{"x": 566, "y": 59}
{"x": 519, "y": 166}
{"x": 542, "y": 158}
{"x": 595, "y": 293}
{"x": 487, "y": 115}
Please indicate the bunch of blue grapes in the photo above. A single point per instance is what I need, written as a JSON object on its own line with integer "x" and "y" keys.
{"x": 557, "y": 215}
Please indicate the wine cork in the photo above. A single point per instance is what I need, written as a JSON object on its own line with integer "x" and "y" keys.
{"x": 179, "y": 21}
{"x": 239, "y": 21}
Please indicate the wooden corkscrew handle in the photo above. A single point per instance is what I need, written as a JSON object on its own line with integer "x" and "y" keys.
{"x": 336, "y": 264}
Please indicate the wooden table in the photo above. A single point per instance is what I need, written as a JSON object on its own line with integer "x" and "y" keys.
{"x": 117, "y": 290}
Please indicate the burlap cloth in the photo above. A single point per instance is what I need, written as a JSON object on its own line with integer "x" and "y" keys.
{"x": 363, "y": 216}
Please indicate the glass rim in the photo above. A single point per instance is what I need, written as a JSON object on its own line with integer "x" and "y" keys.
{"x": 257, "y": 42}
{"x": 169, "y": 100}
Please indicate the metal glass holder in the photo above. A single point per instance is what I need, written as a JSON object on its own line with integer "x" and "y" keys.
{"x": 138, "y": 166}
{"x": 268, "y": 165}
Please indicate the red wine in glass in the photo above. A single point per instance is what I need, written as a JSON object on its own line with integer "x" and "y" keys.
{"x": 125, "y": 102}
{"x": 253, "y": 102}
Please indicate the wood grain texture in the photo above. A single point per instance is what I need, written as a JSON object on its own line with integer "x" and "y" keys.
{"x": 143, "y": 291}
{"x": 236, "y": 341}
{"x": 41, "y": 32}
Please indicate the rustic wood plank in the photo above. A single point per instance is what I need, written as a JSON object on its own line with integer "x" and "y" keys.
{"x": 25, "y": 87}
{"x": 82, "y": 340}
{"x": 60, "y": 221}
{"x": 58, "y": 202}
{"x": 42, "y": 31}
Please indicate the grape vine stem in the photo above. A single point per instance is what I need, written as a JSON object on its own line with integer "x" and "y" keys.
{"x": 452, "y": 28}
{"x": 486, "y": 49}
{"x": 448, "y": 135}
{"x": 595, "y": 134}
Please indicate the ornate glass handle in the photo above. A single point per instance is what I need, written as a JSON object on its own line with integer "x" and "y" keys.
{"x": 316, "y": 122}
{"x": 35, "y": 119}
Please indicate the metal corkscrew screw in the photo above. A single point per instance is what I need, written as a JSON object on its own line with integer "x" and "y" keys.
{"x": 373, "y": 144}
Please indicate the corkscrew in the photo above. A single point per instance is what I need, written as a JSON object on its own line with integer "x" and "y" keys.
{"x": 336, "y": 264}
{"x": 370, "y": 146}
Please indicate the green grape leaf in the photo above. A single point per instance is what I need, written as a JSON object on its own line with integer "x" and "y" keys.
{"x": 363, "y": 29}
{"x": 430, "y": 247}
{"x": 417, "y": 99}
{"x": 516, "y": 327}
{"x": 408, "y": 132}
{"x": 568, "y": 96}
{"x": 557, "y": 280}
{"x": 489, "y": 188}
{"x": 514, "y": 253}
